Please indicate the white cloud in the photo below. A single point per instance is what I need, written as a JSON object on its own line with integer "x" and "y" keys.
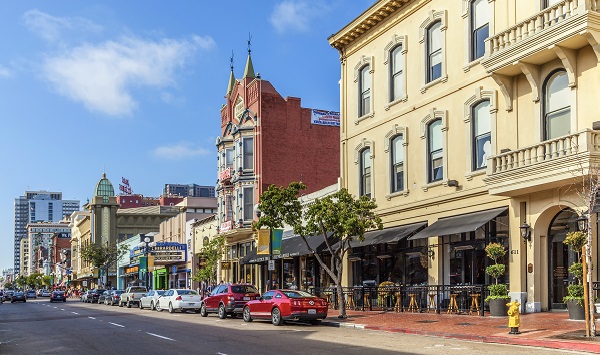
{"x": 181, "y": 150}
{"x": 4, "y": 72}
{"x": 101, "y": 76}
{"x": 295, "y": 15}
{"x": 50, "y": 27}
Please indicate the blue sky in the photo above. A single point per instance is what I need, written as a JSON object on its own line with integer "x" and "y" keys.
{"x": 134, "y": 88}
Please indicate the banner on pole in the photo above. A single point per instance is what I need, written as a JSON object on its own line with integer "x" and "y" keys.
{"x": 262, "y": 247}
{"x": 276, "y": 241}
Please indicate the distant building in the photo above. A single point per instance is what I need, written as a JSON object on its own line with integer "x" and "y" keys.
{"x": 38, "y": 206}
{"x": 37, "y": 251}
{"x": 137, "y": 200}
{"x": 191, "y": 190}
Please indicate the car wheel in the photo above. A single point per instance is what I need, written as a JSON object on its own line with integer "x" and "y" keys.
{"x": 171, "y": 310}
{"x": 158, "y": 307}
{"x": 222, "y": 313}
{"x": 128, "y": 304}
{"x": 64, "y": 301}
{"x": 247, "y": 316}
{"x": 203, "y": 311}
{"x": 120, "y": 304}
{"x": 276, "y": 317}
{"x": 152, "y": 308}
{"x": 140, "y": 305}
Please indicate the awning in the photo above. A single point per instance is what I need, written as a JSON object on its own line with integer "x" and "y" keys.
{"x": 290, "y": 247}
{"x": 387, "y": 235}
{"x": 459, "y": 224}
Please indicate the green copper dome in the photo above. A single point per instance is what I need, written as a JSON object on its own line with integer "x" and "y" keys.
{"x": 104, "y": 188}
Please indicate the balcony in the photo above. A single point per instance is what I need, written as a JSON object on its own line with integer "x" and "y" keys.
{"x": 555, "y": 32}
{"x": 546, "y": 165}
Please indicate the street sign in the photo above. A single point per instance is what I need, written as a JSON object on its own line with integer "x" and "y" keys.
{"x": 84, "y": 283}
{"x": 271, "y": 265}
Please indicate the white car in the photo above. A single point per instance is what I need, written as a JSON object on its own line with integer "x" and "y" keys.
{"x": 179, "y": 299}
{"x": 149, "y": 300}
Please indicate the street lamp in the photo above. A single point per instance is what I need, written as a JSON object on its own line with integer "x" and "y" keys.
{"x": 582, "y": 223}
{"x": 525, "y": 232}
{"x": 146, "y": 244}
{"x": 270, "y": 272}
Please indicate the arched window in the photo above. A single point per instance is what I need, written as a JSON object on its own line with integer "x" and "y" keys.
{"x": 482, "y": 137}
{"x": 435, "y": 151}
{"x": 556, "y": 105}
{"x": 364, "y": 86}
{"x": 365, "y": 172}
{"x": 434, "y": 51}
{"x": 396, "y": 74}
{"x": 397, "y": 159}
{"x": 479, "y": 28}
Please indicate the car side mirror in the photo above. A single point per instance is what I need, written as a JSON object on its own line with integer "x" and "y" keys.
{"x": 261, "y": 298}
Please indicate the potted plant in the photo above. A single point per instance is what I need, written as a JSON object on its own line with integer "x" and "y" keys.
{"x": 574, "y": 298}
{"x": 498, "y": 292}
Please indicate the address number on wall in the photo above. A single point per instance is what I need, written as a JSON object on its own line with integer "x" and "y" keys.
{"x": 514, "y": 251}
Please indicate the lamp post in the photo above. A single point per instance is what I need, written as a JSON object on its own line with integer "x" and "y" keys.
{"x": 582, "y": 226}
{"x": 269, "y": 270}
{"x": 146, "y": 244}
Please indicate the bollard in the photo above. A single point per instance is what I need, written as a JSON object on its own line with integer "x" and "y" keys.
{"x": 514, "y": 319}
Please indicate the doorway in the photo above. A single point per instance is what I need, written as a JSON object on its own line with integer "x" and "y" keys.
{"x": 561, "y": 257}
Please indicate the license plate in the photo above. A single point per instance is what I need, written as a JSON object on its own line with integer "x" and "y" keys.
{"x": 190, "y": 304}
{"x": 246, "y": 298}
{"x": 312, "y": 311}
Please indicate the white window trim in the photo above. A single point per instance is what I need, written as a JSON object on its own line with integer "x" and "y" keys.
{"x": 364, "y": 61}
{"x": 387, "y": 51}
{"x": 394, "y": 132}
{"x": 481, "y": 94}
{"x": 466, "y": 14}
{"x": 243, "y": 153}
{"x": 365, "y": 143}
{"x": 244, "y": 188}
{"x": 433, "y": 115}
{"x": 423, "y": 29}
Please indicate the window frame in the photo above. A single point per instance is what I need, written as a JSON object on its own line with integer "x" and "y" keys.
{"x": 245, "y": 154}
{"x": 397, "y": 71}
{"x": 366, "y": 176}
{"x": 474, "y": 137}
{"x": 393, "y": 164}
{"x": 473, "y": 31}
{"x": 548, "y": 80}
{"x": 247, "y": 216}
{"x": 424, "y": 36}
{"x": 434, "y": 115}
{"x": 431, "y": 173}
{"x": 431, "y": 52}
{"x": 364, "y": 94}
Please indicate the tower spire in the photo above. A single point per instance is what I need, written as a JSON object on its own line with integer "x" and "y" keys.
{"x": 249, "y": 72}
{"x": 231, "y": 76}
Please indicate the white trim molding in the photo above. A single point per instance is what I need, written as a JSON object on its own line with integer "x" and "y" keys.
{"x": 434, "y": 114}
{"x": 433, "y": 16}
{"x": 395, "y": 131}
{"x": 387, "y": 51}
{"x": 481, "y": 94}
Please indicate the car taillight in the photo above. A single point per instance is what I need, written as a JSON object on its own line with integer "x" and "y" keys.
{"x": 178, "y": 298}
{"x": 133, "y": 295}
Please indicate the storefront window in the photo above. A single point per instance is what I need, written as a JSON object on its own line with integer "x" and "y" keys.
{"x": 289, "y": 274}
{"x": 307, "y": 273}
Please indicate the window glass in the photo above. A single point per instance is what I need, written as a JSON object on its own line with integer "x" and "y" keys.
{"x": 434, "y": 51}
{"x": 480, "y": 27}
{"x": 248, "y": 145}
{"x": 482, "y": 134}
{"x": 396, "y": 84}
{"x": 397, "y": 164}
{"x": 557, "y": 109}
{"x": 365, "y": 91}
{"x": 268, "y": 295}
{"x": 366, "y": 172}
{"x": 436, "y": 168}
{"x": 248, "y": 203}
{"x": 229, "y": 158}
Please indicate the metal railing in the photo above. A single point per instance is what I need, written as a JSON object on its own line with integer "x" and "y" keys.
{"x": 434, "y": 298}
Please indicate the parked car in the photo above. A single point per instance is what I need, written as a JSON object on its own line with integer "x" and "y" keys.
{"x": 286, "y": 305}
{"x": 113, "y": 298}
{"x": 94, "y": 295}
{"x": 179, "y": 299}
{"x": 8, "y": 295}
{"x": 85, "y": 295}
{"x": 132, "y": 296}
{"x": 30, "y": 294}
{"x": 228, "y": 299}
{"x": 103, "y": 295}
{"x": 18, "y": 297}
{"x": 150, "y": 299}
{"x": 58, "y": 296}
{"x": 45, "y": 293}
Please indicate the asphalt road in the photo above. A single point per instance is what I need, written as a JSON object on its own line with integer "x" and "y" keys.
{"x": 41, "y": 327}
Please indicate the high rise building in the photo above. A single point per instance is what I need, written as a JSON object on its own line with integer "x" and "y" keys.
{"x": 38, "y": 206}
{"x": 189, "y": 190}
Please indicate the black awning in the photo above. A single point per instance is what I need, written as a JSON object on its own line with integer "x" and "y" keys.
{"x": 388, "y": 235}
{"x": 295, "y": 246}
{"x": 253, "y": 258}
{"x": 459, "y": 224}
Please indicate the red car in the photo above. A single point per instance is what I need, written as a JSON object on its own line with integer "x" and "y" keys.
{"x": 228, "y": 299}
{"x": 284, "y": 305}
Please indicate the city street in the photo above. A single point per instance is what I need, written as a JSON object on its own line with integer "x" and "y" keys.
{"x": 39, "y": 326}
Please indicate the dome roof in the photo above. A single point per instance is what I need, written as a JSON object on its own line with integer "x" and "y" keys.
{"x": 104, "y": 188}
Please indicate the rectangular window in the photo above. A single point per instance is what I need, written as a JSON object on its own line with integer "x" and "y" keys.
{"x": 481, "y": 135}
{"x": 434, "y": 51}
{"x": 229, "y": 158}
{"x": 436, "y": 153}
{"x": 365, "y": 91}
{"x": 397, "y": 164}
{"x": 365, "y": 165}
{"x": 248, "y": 203}
{"x": 248, "y": 153}
{"x": 479, "y": 28}
{"x": 396, "y": 82}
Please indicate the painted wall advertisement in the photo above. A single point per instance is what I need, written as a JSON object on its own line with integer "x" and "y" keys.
{"x": 325, "y": 118}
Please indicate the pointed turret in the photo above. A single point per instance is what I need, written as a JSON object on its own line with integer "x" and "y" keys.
{"x": 231, "y": 76}
{"x": 249, "y": 71}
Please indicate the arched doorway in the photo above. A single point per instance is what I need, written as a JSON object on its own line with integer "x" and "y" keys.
{"x": 560, "y": 256}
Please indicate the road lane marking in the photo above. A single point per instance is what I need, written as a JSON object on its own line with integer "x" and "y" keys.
{"x": 55, "y": 307}
{"x": 118, "y": 325}
{"x": 160, "y": 336}
{"x": 91, "y": 318}
{"x": 62, "y": 309}
{"x": 75, "y": 313}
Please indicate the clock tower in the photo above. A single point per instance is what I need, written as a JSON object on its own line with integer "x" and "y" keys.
{"x": 103, "y": 208}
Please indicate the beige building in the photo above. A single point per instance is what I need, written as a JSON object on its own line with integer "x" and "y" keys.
{"x": 464, "y": 120}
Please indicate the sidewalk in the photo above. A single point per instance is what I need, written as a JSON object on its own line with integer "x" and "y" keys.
{"x": 546, "y": 329}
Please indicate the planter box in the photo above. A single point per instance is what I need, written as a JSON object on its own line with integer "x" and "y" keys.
{"x": 576, "y": 310}
{"x": 498, "y": 307}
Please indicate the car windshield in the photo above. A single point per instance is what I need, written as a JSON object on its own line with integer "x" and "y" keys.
{"x": 187, "y": 292}
{"x": 58, "y": 292}
{"x": 297, "y": 294}
{"x": 118, "y": 292}
{"x": 243, "y": 289}
{"x": 160, "y": 292}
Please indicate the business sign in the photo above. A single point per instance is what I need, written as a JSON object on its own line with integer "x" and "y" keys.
{"x": 225, "y": 174}
{"x": 325, "y": 118}
{"x": 165, "y": 252}
{"x": 226, "y": 226}
{"x": 125, "y": 187}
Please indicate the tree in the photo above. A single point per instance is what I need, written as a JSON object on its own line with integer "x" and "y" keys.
{"x": 340, "y": 216}
{"x": 35, "y": 280}
{"x": 102, "y": 257}
{"x": 21, "y": 281}
{"x": 210, "y": 254}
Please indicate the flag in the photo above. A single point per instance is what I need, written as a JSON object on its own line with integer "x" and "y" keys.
{"x": 276, "y": 241}
{"x": 262, "y": 246}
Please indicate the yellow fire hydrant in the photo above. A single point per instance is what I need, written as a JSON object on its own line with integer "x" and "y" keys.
{"x": 514, "y": 319}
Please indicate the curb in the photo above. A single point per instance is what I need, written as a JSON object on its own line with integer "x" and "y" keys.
{"x": 539, "y": 342}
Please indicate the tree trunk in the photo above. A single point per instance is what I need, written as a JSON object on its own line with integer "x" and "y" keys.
{"x": 340, "y": 291}
{"x": 590, "y": 290}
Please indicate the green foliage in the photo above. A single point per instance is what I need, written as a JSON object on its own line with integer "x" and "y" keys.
{"x": 495, "y": 251}
{"x": 574, "y": 293}
{"x": 47, "y": 281}
{"x": 21, "y": 281}
{"x": 496, "y": 271}
{"x": 576, "y": 241}
{"x": 279, "y": 206}
{"x": 210, "y": 254}
{"x": 35, "y": 280}
{"x": 102, "y": 257}
{"x": 497, "y": 291}
{"x": 577, "y": 270}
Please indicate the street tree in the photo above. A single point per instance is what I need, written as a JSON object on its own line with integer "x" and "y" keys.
{"x": 102, "y": 257}
{"x": 21, "y": 281}
{"x": 35, "y": 280}
{"x": 339, "y": 218}
{"x": 209, "y": 257}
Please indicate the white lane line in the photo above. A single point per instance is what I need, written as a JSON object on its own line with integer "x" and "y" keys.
{"x": 75, "y": 313}
{"x": 62, "y": 309}
{"x": 118, "y": 325}
{"x": 91, "y": 318}
{"x": 160, "y": 336}
{"x": 55, "y": 307}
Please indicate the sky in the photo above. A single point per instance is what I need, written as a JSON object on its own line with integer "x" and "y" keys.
{"x": 134, "y": 88}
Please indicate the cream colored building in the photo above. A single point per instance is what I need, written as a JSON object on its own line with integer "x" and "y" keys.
{"x": 471, "y": 117}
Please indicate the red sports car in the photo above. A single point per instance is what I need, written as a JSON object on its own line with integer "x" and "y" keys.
{"x": 284, "y": 305}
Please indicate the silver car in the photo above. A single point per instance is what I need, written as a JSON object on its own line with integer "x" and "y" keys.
{"x": 150, "y": 299}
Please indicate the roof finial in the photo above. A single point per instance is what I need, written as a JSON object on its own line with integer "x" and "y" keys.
{"x": 231, "y": 76}
{"x": 249, "y": 72}
{"x": 231, "y": 60}
{"x": 249, "y": 44}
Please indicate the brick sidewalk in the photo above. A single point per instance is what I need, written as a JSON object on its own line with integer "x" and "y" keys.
{"x": 546, "y": 329}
